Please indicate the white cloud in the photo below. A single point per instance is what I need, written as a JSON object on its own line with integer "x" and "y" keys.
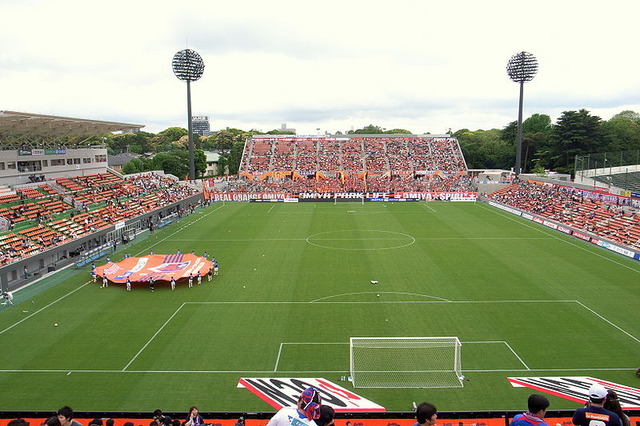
{"x": 334, "y": 65}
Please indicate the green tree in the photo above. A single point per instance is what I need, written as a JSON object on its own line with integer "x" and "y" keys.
{"x": 537, "y": 123}
{"x": 367, "y": 130}
{"x": 485, "y": 149}
{"x": 397, "y": 132}
{"x": 234, "y": 157}
{"x": 200, "y": 162}
{"x": 279, "y": 132}
{"x": 165, "y": 139}
{"x": 622, "y": 132}
{"x": 223, "y": 163}
{"x": 175, "y": 163}
{"x": 136, "y": 165}
{"x": 576, "y": 132}
{"x": 224, "y": 140}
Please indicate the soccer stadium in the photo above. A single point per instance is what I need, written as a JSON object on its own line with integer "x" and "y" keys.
{"x": 377, "y": 268}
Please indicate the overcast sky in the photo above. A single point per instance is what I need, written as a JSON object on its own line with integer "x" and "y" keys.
{"x": 421, "y": 65}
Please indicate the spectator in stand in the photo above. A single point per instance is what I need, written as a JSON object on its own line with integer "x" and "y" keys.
{"x": 426, "y": 414}
{"x": 160, "y": 419}
{"x": 194, "y": 418}
{"x": 327, "y": 416}
{"x": 594, "y": 410}
{"x": 306, "y": 411}
{"x": 65, "y": 417}
{"x": 51, "y": 421}
{"x": 612, "y": 403}
{"x": 537, "y": 405}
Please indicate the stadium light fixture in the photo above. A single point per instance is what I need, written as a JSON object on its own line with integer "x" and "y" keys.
{"x": 188, "y": 66}
{"x": 522, "y": 67}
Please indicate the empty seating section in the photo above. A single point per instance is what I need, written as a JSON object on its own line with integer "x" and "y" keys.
{"x": 40, "y": 217}
{"x": 353, "y": 163}
{"x": 619, "y": 223}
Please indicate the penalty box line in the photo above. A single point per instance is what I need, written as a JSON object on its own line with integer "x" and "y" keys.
{"x": 601, "y": 317}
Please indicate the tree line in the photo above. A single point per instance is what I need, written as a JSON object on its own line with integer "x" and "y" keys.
{"x": 545, "y": 145}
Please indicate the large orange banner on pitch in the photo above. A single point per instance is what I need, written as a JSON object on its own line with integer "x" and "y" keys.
{"x": 162, "y": 267}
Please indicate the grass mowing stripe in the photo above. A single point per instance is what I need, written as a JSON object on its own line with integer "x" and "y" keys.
{"x": 43, "y": 308}
{"x": 471, "y": 272}
{"x": 568, "y": 240}
{"x": 153, "y": 337}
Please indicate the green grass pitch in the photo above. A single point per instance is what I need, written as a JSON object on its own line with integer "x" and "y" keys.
{"x": 294, "y": 286}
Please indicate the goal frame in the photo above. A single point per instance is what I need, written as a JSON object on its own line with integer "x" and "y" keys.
{"x": 413, "y": 343}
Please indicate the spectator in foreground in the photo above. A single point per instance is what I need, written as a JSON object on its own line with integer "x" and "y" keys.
{"x": 612, "y": 403}
{"x": 327, "y": 416}
{"x": 306, "y": 411}
{"x": 426, "y": 414}
{"x": 594, "y": 410}
{"x": 65, "y": 417}
{"x": 537, "y": 406}
{"x": 160, "y": 419}
{"x": 194, "y": 418}
{"x": 51, "y": 421}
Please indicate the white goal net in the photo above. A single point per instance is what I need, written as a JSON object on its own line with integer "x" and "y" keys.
{"x": 406, "y": 362}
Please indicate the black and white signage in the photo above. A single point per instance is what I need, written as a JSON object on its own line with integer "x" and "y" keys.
{"x": 575, "y": 388}
{"x": 284, "y": 392}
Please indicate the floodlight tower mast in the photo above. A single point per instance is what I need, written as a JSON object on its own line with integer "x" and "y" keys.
{"x": 522, "y": 67}
{"x": 188, "y": 66}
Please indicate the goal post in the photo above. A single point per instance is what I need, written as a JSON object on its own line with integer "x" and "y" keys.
{"x": 405, "y": 362}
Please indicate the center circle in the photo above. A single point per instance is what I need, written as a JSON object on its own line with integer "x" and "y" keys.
{"x": 360, "y": 239}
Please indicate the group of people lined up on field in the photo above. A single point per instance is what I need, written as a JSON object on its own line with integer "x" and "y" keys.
{"x": 601, "y": 409}
{"x": 104, "y": 281}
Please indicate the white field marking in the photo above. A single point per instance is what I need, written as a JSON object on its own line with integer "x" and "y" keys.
{"x": 275, "y": 368}
{"x": 171, "y": 371}
{"x": 232, "y": 240}
{"x": 379, "y": 292}
{"x": 508, "y": 346}
{"x": 180, "y": 230}
{"x": 441, "y": 300}
{"x": 402, "y": 237}
{"x": 301, "y": 371}
{"x": 426, "y": 204}
{"x": 269, "y": 211}
{"x": 504, "y": 343}
{"x": 44, "y": 307}
{"x": 124, "y": 370}
{"x": 556, "y": 237}
{"x": 153, "y": 337}
{"x": 294, "y": 302}
{"x": 607, "y": 321}
{"x": 235, "y": 240}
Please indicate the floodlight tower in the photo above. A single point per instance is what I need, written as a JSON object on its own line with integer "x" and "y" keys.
{"x": 188, "y": 66}
{"x": 522, "y": 67}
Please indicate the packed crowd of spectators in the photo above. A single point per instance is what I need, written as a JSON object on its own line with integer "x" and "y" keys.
{"x": 352, "y": 164}
{"x": 608, "y": 217}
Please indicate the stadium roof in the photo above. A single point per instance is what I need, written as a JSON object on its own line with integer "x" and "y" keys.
{"x": 26, "y": 125}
